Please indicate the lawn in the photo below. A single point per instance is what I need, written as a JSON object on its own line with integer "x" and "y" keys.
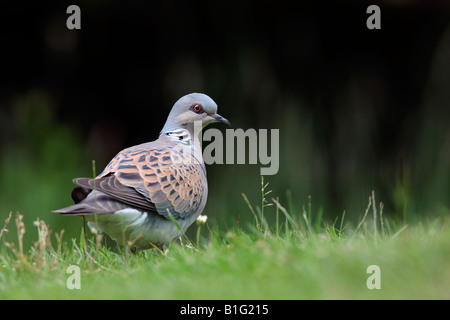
{"x": 295, "y": 258}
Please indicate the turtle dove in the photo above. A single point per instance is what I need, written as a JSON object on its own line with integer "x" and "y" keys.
{"x": 146, "y": 186}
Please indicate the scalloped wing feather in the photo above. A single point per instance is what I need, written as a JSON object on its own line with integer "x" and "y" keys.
{"x": 169, "y": 178}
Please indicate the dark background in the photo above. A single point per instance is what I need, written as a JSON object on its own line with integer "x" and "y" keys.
{"x": 357, "y": 109}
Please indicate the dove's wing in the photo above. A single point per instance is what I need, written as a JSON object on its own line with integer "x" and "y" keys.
{"x": 163, "y": 179}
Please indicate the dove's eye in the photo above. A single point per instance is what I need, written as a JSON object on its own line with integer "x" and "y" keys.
{"x": 197, "y": 108}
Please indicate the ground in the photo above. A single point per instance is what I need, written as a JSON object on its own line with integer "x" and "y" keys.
{"x": 293, "y": 261}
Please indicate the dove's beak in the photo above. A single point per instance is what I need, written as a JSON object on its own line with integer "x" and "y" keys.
{"x": 219, "y": 118}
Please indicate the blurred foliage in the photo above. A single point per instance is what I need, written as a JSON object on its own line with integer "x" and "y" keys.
{"x": 38, "y": 163}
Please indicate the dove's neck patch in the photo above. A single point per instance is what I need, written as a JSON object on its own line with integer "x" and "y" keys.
{"x": 179, "y": 135}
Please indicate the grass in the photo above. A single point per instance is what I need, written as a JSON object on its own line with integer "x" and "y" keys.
{"x": 267, "y": 247}
{"x": 297, "y": 257}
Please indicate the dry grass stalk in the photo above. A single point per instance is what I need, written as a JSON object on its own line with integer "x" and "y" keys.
{"x": 4, "y": 230}
{"x": 98, "y": 238}
{"x": 43, "y": 242}
{"x": 20, "y": 232}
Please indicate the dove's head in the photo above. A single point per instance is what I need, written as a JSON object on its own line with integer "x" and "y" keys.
{"x": 192, "y": 108}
